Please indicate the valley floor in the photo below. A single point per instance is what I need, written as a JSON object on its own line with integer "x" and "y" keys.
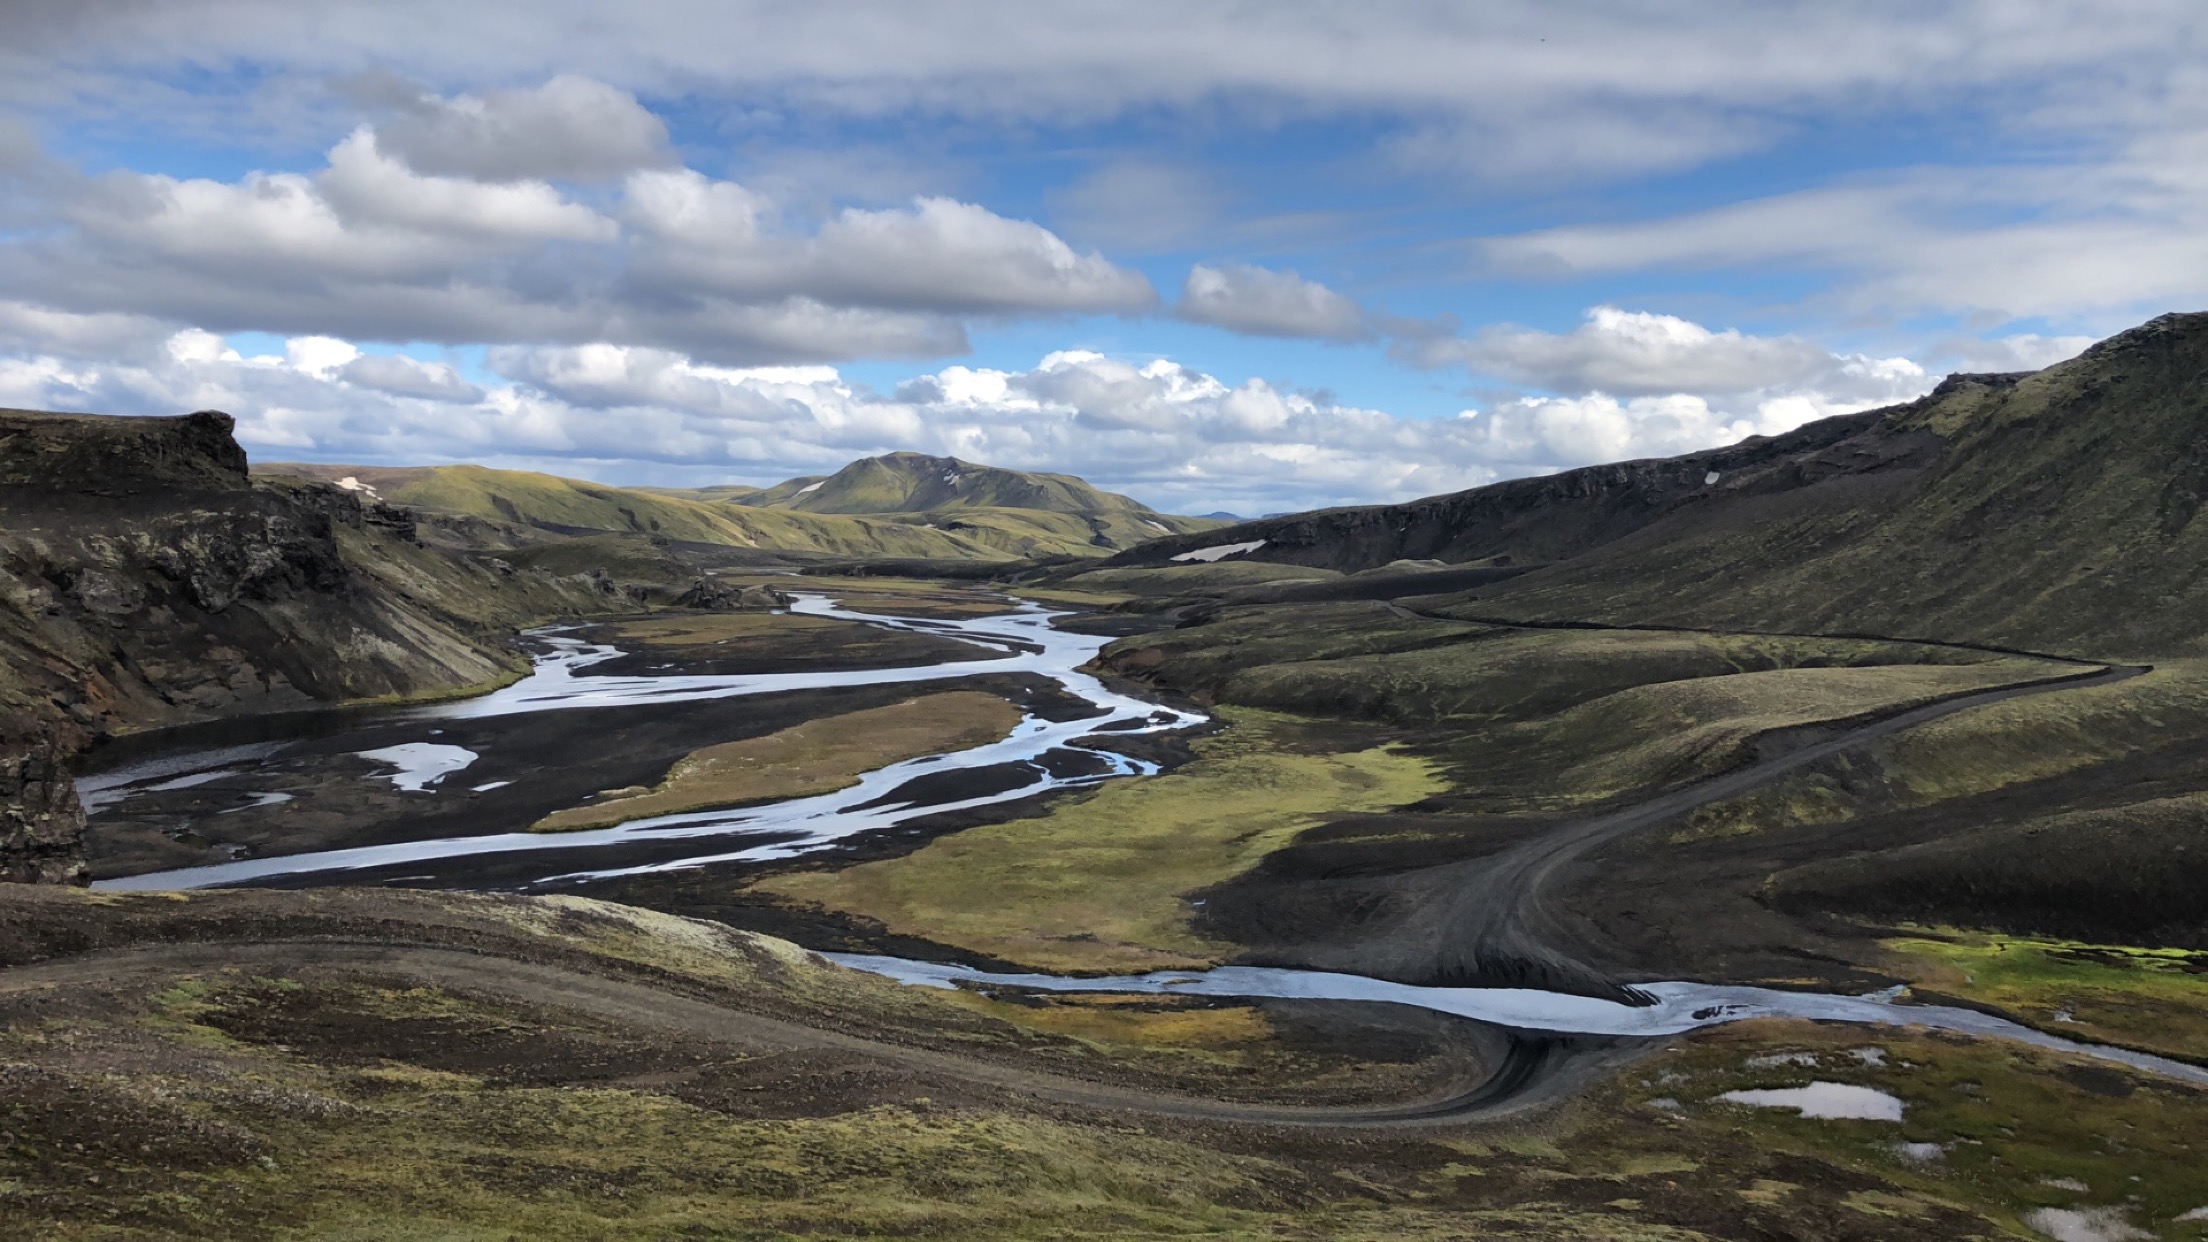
{"x": 1835, "y": 814}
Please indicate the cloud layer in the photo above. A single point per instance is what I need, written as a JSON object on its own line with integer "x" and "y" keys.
{"x": 462, "y": 221}
{"x": 1242, "y": 298}
{"x": 1518, "y": 87}
{"x": 666, "y": 232}
{"x": 1171, "y": 434}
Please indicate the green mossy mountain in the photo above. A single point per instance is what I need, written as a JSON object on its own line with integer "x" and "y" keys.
{"x": 562, "y": 506}
{"x": 899, "y": 507}
{"x": 918, "y": 483}
{"x": 2055, "y": 510}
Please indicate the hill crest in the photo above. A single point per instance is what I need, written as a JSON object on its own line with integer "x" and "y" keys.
{"x": 921, "y": 483}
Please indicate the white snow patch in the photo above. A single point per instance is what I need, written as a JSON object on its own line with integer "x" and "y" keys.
{"x": 2199, "y": 1213}
{"x": 2100, "y": 1224}
{"x": 420, "y": 764}
{"x": 1770, "y": 1059}
{"x": 1219, "y": 552}
{"x": 488, "y": 787}
{"x": 811, "y": 487}
{"x": 1921, "y": 1153}
{"x": 1710, "y": 479}
{"x": 1826, "y": 1101}
{"x": 259, "y": 800}
{"x": 1870, "y": 1056}
{"x": 196, "y": 778}
{"x": 353, "y": 484}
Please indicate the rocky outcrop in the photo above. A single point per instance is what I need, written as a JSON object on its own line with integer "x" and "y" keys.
{"x": 715, "y": 596}
{"x": 102, "y": 455}
{"x": 146, "y": 579}
{"x": 41, "y": 821}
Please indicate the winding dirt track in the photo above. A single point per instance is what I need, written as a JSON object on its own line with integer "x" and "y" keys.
{"x": 1478, "y": 922}
{"x": 1486, "y": 921}
{"x": 1528, "y": 1077}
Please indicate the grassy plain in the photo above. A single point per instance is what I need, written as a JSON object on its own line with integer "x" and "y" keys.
{"x": 817, "y": 757}
{"x": 353, "y": 1102}
{"x": 2077, "y": 815}
{"x": 912, "y": 596}
{"x": 1161, "y": 580}
{"x": 1668, "y": 733}
{"x": 1981, "y": 751}
{"x": 1098, "y": 883}
{"x": 2155, "y": 1000}
{"x": 2047, "y": 735}
{"x": 2004, "y": 1129}
{"x": 699, "y": 629}
{"x": 1543, "y": 719}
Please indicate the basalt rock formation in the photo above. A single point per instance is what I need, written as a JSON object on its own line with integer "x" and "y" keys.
{"x": 147, "y": 579}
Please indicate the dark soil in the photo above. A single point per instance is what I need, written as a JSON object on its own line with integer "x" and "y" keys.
{"x": 548, "y": 761}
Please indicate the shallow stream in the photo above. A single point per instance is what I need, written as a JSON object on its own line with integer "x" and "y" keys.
{"x": 1053, "y": 754}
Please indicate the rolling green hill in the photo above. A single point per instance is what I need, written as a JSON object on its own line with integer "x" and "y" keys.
{"x": 571, "y": 505}
{"x": 918, "y": 483}
{"x": 973, "y": 519}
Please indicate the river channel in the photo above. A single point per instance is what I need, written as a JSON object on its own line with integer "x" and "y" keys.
{"x": 1040, "y": 755}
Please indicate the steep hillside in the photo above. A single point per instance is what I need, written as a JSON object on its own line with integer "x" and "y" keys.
{"x": 872, "y": 509}
{"x": 2054, "y": 510}
{"x": 145, "y": 579}
{"x": 549, "y": 502}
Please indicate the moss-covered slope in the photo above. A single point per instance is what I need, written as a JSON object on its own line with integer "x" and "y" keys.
{"x": 918, "y": 483}
{"x": 2055, "y": 510}
{"x": 549, "y": 502}
{"x": 879, "y": 508}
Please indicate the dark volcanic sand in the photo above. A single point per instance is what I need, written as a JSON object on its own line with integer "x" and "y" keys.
{"x": 550, "y": 760}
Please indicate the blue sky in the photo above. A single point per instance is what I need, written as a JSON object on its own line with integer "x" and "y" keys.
{"x": 1428, "y": 246}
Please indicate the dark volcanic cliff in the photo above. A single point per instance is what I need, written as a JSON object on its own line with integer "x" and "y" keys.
{"x": 145, "y": 579}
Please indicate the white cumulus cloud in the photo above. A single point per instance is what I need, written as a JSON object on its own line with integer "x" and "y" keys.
{"x": 373, "y": 246}
{"x": 1636, "y": 353}
{"x": 1174, "y": 435}
{"x": 570, "y": 128}
{"x": 1263, "y": 302}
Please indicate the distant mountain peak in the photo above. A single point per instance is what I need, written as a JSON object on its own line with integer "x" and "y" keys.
{"x": 909, "y": 483}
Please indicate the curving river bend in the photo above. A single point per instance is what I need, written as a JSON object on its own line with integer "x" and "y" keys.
{"x": 1020, "y": 642}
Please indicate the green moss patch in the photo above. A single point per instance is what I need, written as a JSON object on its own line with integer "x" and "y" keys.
{"x": 2155, "y": 1000}
{"x": 1098, "y": 883}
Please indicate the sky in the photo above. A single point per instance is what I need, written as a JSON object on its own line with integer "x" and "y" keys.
{"x": 1231, "y": 256}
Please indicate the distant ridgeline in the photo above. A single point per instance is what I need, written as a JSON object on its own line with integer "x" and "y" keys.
{"x": 902, "y": 505}
{"x": 2055, "y": 510}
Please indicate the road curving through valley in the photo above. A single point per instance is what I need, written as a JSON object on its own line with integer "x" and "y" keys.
{"x": 1483, "y": 924}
